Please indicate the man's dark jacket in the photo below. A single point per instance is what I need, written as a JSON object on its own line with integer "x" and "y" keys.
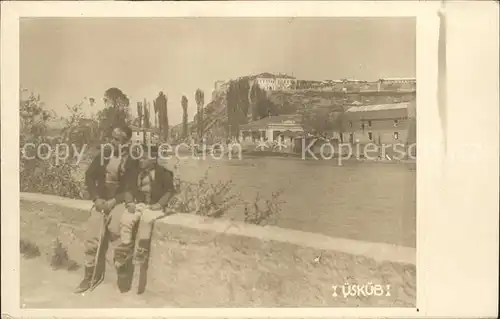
{"x": 162, "y": 187}
{"x": 95, "y": 180}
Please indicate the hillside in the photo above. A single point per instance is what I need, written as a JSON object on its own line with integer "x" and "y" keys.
{"x": 312, "y": 98}
{"x": 288, "y": 102}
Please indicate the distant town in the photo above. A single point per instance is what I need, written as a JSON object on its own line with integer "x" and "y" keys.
{"x": 346, "y": 110}
{"x": 275, "y": 82}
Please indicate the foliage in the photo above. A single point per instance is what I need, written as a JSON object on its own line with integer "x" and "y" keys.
{"x": 115, "y": 113}
{"x": 50, "y": 176}
{"x": 33, "y": 119}
{"x": 200, "y": 102}
{"x": 45, "y": 171}
{"x": 261, "y": 105}
{"x": 115, "y": 98}
{"x": 238, "y": 105}
{"x": 146, "y": 121}
{"x": 160, "y": 106}
{"x": 80, "y": 130}
{"x": 184, "y": 104}
{"x": 263, "y": 211}
{"x": 108, "y": 118}
{"x": 215, "y": 200}
{"x": 321, "y": 120}
{"x": 28, "y": 249}
{"x": 60, "y": 258}
{"x": 140, "y": 114}
{"x": 203, "y": 198}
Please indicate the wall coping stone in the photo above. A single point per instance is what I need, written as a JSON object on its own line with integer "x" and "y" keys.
{"x": 378, "y": 251}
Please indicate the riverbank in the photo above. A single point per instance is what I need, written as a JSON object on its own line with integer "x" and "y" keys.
{"x": 206, "y": 265}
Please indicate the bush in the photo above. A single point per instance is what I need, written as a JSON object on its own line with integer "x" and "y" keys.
{"x": 60, "y": 258}
{"x": 202, "y": 198}
{"x": 215, "y": 200}
{"x": 28, "y": 249}
{"x": 43, "y": 172}
{"x": 263, "y": 211}
{"x": 50, "y": 177}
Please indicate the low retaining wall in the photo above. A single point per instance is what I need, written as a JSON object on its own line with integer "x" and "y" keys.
{"x": 201, "y": 262}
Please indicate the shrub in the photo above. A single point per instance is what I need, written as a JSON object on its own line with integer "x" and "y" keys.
{"x": 215, "y": 200}
{"x": 60, "y": 258}
{"x": 29, "y": 249}
{"x": 263, "y": 211}
{"x": 202, "y": 198}
{"x": 43, "y": 172}
{"x": 49, "y": 177}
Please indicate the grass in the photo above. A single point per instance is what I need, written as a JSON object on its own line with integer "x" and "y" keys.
{"x": 193, "y": 268}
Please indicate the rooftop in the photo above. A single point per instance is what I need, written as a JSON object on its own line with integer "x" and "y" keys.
{"x": 379, "y": 107}
{"x": 139, "y": 129}
{"x": 270, "y": 75}
{"x": 398, "y": 79}
{"x": 278, "y": 119}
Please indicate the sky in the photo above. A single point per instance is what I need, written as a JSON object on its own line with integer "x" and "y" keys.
{"x": 67, "y": 59}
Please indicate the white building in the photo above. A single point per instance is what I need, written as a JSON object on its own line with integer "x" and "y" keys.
{"x": 400, "y": 84}
{"x": 220, "y": 87}
{"x": 272, "y": 128}
{"x": 147, "y": 136}
{"x": 398, "y": 80}
{"x": 272, "y": 82}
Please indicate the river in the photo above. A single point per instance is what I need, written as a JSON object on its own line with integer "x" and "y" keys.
{"x": 359, "y": 200}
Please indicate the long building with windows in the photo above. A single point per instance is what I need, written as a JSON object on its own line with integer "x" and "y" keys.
{"x": 378, "y": 124}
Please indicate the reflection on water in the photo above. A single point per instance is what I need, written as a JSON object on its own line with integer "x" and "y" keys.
{"x": 358, "y": 200}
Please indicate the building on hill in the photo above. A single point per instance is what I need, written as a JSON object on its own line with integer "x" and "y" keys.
{"x": 273, "y": 82}
{"x": 398, "y": 84}
{"x": 220, "y": 87}
{"x": 378, "y": 124}
{"x": 273, "y": 128}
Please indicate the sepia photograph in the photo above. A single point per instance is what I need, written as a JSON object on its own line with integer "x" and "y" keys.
{"x": 224, "y": 161}
{"x": 260, "y": 167}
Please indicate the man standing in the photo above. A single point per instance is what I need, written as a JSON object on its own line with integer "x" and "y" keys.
{"x": 111, "y": 180}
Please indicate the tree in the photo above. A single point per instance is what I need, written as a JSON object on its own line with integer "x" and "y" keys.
{"x": 147, "y": 121}
{"x": 244, "y": 100}
{"x": 261, "y": 105}
{"x": 184, "y": 104}
{"x": 200, "y": 101}
{"x": 155, "y": 109}
{"x": 114, "y": 97}
{"x": 232, "y": 108}
{"x": 115, "y": 113}
{"x": 161, "y": 106}
{"x": 139, "y": 113}
{"x": 322, "y": 120}
{"x": 49, "y": 174}
{"x": 33, "y": 119}
{"x": 338, "y": 121}
{"x": 78, "y": 129}
{"x": 254, "y": 97}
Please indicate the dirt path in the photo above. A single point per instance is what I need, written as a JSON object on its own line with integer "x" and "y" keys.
{"x": 192, "y": 268}
{"x": 43, "y": 287}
